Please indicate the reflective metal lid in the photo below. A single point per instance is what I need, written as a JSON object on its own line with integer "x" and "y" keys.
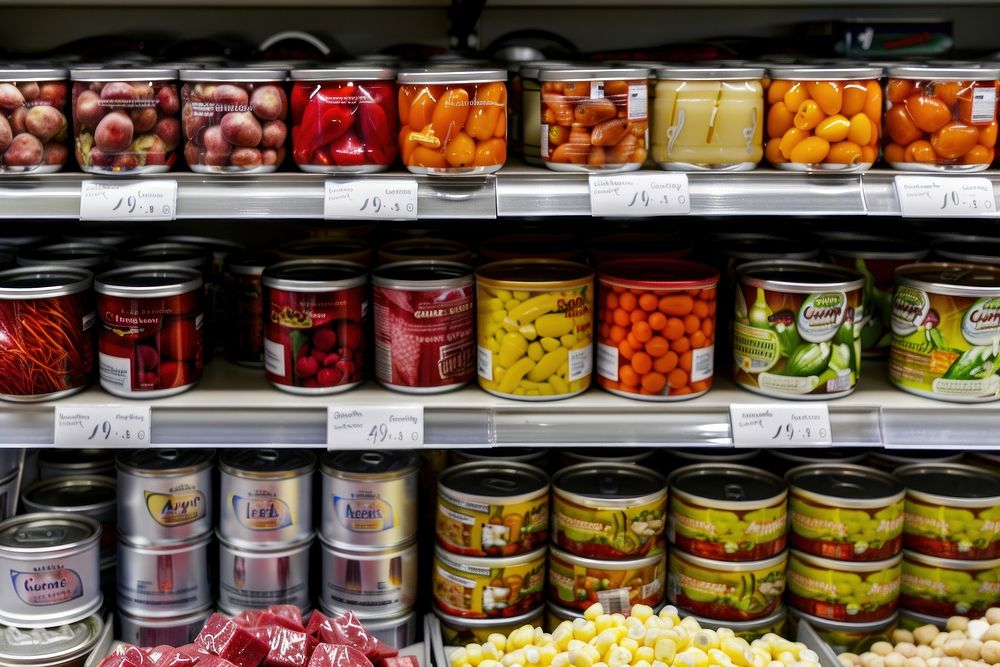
{"x": 952, "y": 481}
{"x": 799, "y": 277}
{"x": 160, "y": 462}
{"x": 238, "y": 74}
{"x": 149, "y": 281}
{"x": 609, "y": 482}
{"x": 917, "y": 72}
{"x": 22, "y": 647}
{"x": 71, "y": 494}
{"x": 267, "y": 463}
{"x": 127, "y": 74}
{"x": 709, "y": 73}
{"x": 83, "y": 255}
{"x": 44, "y": 281}
{"x": 824, "y": 73}
{"x": 974, "y": 280}
{"x": 874, "y": 247}
{"x": 727, "y": 483}
{"x": 311, "y": 275}
{"x": 448, "y": 75}
{"x": 24, "y": 74}
{"x": 593, "y": 74}
{"x": 344, "y": 74}
{"x": 42, "y": 532}
{"x": 850, "y": 482}
{"x": 493, "y": 479}
{"x": 370, "y": 464}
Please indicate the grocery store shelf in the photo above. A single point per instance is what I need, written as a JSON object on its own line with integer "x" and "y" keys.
{"x": 236, "y": 4}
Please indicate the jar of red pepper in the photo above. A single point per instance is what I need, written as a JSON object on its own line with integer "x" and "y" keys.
{"x": 344, "y": 119}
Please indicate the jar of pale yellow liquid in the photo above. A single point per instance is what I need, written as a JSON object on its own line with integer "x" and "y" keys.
{"x": 708, "y": 118}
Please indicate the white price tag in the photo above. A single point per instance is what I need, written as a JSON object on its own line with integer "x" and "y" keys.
{"x": 104, "y": 426}
{"x": 370, "y": 199}
{"x": 758, "y": 424}
{"x": 639, "y": 194}
{"x": 154, "y": 199}
{"x": 945, "y": 196}
{"x": 375, "y": 427}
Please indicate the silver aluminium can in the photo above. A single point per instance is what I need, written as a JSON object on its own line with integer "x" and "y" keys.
{"x": 95, "y": 497}
{"x": 374, "y": 584}
{"x": 173, "y": 630}
{"x": 255, "y": 579}
{"x": 65, "y": 646}
{"x": 162, "y": 581}
{"x": 75, "y": 463}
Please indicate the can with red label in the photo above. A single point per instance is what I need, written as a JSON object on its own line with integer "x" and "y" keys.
{"x": 423, "y": 326}
{"x": 314, "y": 331}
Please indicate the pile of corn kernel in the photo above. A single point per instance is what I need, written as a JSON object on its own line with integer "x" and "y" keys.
{"x": 643, "y": 639}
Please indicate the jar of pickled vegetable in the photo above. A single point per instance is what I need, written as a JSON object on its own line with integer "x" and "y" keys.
{"x": 706, "y": 118}
{"x": 344, "y": 119}
{"x": 453, "y": 121}
{"x": 531, "y": 100}
{"x": 594, "y": 119}
{"x": 941, "y": 118}
{"x": 823, "y": 118}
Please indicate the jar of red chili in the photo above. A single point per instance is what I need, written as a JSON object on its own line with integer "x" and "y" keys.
{"x": 344, "y": 119}
{"x": 46, "y": 342}
{"x": 151, "y": 342}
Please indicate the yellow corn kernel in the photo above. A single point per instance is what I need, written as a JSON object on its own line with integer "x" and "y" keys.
{"x": 500, "y": 333}
{"x": 641, "y": 611}
{"x": 574, "y": 644}
{"x": 578, "y": 658}
{"x": 691, "y": 657}
{"x": 595, "y": 610}
{"x": 491, "y": 305}
{"x": 652, "y": 634}
{"x": 562, "y": 635}
{"x": 532, "y": 392}
{"x": 459, "y": 657}
{"x": 490, "y": 663}
{"x": 521, "y": 637}
{"x": 504, "y": 295}
{"x": 737, "y": 649}
{"x": 665, "y": 650}
{"x": 690, "y": 624}
{"x": 513, "y": 346}
{"x": 586, "y": 630}
{"x": 514, "y": 657}
{"x": 605, "y": 640}
{"x": 636, "y": 630}
{"x": 645, "y": 653}
{"x": 786, "y": 658}
{"x": 547, "y": 653}
{"x": 499, "y": 641}
{"x": 670, "y": 612}
{"x": 539, "y": 636}
{"x": 717, "y": 657}
{"x": 521, "y": 295}
{"x": 474, "y": 653}
{"x": 535, "y": 351}
{"x": 725, "y": 633}
{"x": 546, "y": 390}
{"x": 618, "y": 657}
{"x": 629, "y": 644}
{"x": 561, "y": 659}
{"x": 510, "y": 326}
{"x": 652, "y": 623}
{"x": 704, "y": 640}
{"x": 491, "y": 652}
{"x": 554, "y": 325}
{"x": 640, "y": 663}
{"x": 660, "y": 663}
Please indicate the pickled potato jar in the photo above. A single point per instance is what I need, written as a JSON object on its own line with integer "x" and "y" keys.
{"x": 125, "y": 121}
{"x": 594, "y": 119}
{"x": 453, "y": 121}
{"x": 33, "y": 125}
{"x": 941, "y": 118}
{"x": 709, "y": 119}
{"x": 823, "y": 119}
{"x": 344, "y": 119}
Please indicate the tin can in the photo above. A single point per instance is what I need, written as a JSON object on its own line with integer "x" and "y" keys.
{"x": 88, "y": 256}
{"x": 368, "y": 499}
{"x": 95, "y": 497}
{"x": 592, "y": 501}
{"x": 797, "y": 333}
{"x": 536, "y": 456}
{"x": 568, "y": 457}
{"x": 782, "y": 460}
{"x": 243, "y": 295}
{"x": 184, "y": 255}
{"x": 314, "y": 331}
{"x": 459, "y": 630}
{"x": 945, "y": 322}
{"x": 946, "y": 587}
{"x": 424, "y": 248}
{"x": 489, "y": 587}
{"x": 968, "y": 249}
{"x": 51, "y": 565}
{"x": 617, "y": 584}
{"x": 726, "y": 511}
{"x": 492, "y": 509}
{"x": 374, "y": 584}
{"x": 845, "y": 512}
{"x": 679, "y": 457}
{"x": 172, "y": 631}
{"x": 841, "y": 590}
{"x": 423, "y": 326}
{"x": 397, "y": 632}
{"x": 166, "y": 495}
{"x": 262, "y": 577}
{"x": 911, "y": 620}
{"x": 67, "y": 646}
{"x": 726, "y": 590}
{"x": 847, "y": 637}
{"x": 522, "y": 304}
{"x": 951, "y": 511}
{"x": 340, "y": 248}
{"x": 266, "y": 496}
{"x": 749, "y": 630}
{"x": 75, "y": 463}
{"x": 889, "y": 460}
{"x": 164, "y": 581}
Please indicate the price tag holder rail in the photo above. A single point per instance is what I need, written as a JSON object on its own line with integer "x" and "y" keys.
{"x": 375, "y": 427}
{"x": 102, "y": 426}
{"x": 370, "y": 199}
{"x": 779, "y": 425}
{"x": 945, "y": 196}
{"x": 152, "y": 199}
{"x": 639, "y": 194}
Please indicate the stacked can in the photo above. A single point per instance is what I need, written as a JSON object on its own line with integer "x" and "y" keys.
{"x": 608, "y": 545}
{"x": 265, "y": 528}
{"x": 165, "y": 521}
{"x": 728, "y": 527}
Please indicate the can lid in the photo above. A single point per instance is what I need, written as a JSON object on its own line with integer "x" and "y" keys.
{"x": 86, "y": 459}
{"x": 921, "y": 73}
{"x": 149, "y": 281}
{"x": 658, "y": 274}
{"x": 267, "y": 463}
{"x": 178, "y": 254}
{"x": 449, "y": 75}
{"x": 952, "y": 484}
{"x": 875, "y": 247}
{"x": 42, "y": 532}
{"x": 824, "y": 73}
{"x": 49, "y": 646}
{"x": 799, "y": 277}
{"x": 422, "y": 274}
{"x": 159, "y": 462}
{"x": 124, "y": 74}
{"x": 953, "y": 279}
{"x": 537, "y": 273}
{"x": 310, "y": 275}
{"x": 727, "y": 485}
{"x": 972, "y": 249}
{"x": 709, "y": 73}
{"x": 84, "y": 255}
{"x": 16, "y": 73}
{"x": 850, "y": 486}
{"x": 238, "y": 74}
{"x": 370, "y": 464}
{"x": 494, "y": 479}
{"x": 763, "y": 246}
{"x": 901, "y": 457}
{"x": 70, "y": 494}
{"x": 608, "y": 454}
{"x": 593, "y": 73}
{"x": 814, "y": 455}
{"x": 530, "y": 70}
{"x": 631, "y": 564}
{"x": 250, "y": 263}
{"x": 600, "y": 484}
{"x": 730, "y": 565}
{"x": 205, "y": 243}
{"x": 344, "y": 74}
{"x": 44, "y": 281}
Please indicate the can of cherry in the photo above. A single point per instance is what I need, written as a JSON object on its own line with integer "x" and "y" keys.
{"x": 314, "y": 330}
{"x": 151, "y": 342}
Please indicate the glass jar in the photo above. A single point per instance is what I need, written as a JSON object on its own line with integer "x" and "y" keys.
{"x": 531, "y": 102}
{"x": 33, "y": 120}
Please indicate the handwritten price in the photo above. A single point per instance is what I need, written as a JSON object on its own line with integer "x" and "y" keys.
{"x": 107, "y": 430}
{"x": 135, "y": 200}
{"x": 374, "y": 205}
{"x": 945, "y": 196}
{"x": 639, "y": 194}
{"x": 372, "y": 199}
{"x": 757, "y": 424}
{"x": 381, "y": 434}
{"x": 788, "y": 432}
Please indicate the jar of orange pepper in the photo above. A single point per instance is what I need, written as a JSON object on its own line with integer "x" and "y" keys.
{"x": 656, "y": 330}
{"x": 941, "y": 118}
{"x": 453, "y": 121}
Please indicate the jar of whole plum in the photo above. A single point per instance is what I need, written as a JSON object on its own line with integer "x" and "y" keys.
{"x": 125, "y": 120}
{"x": 453, "y": 121}
{"x": 594, "y": 119}
{"x": 234, "y": 119}
{"x": 941, "y": 118}
{"x": 33, "y": 123}
{"x": 344, "y": 119}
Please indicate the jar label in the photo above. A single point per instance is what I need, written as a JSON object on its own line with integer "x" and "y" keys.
{"x": 262, "y": 512}
{"x": 364, "y": 513}
{"x": 176, "y": 509}
{"x": 47, "y": 585}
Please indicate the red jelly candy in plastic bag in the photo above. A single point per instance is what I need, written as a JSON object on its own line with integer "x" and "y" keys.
{"x": 268, "y": 617}
{"x": 401, "y": 661}
{"x": 316, "y": 620}
{"x": 348, "y": 630}
{"x": 333, "y": 655}
{"x": 226, "y": 639}
{"x": 289, "y": 612}
{"x": 179, "y": 657}
{"x": 127, "y": 655}
{"x": 288, "y": 648}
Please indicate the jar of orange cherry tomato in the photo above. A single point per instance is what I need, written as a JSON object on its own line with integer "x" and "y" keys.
{"x": 453, "y": 121}
{"x": 822, "y": 118}
{"x": 941, "y": 118}
{"x": 656, "y": 330}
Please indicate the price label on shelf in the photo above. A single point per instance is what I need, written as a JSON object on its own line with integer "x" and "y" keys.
{"x": 153, "y": 199}
{"x": 104, "y": 426}
{"x": 639, "y": 195}
{"x": 375, "y": 427}
{"x": 370, "y": 199}
{"x": 945, "y": 197}
{"x": 759, "y": 424}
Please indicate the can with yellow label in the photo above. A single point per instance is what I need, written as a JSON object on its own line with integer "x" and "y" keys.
{"x": 489, "y": 587}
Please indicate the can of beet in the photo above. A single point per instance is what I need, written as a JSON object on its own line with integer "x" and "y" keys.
{"x": 423, "y": 326}
{"x": 243, "y": 294}
{"x": 314, "y": 334}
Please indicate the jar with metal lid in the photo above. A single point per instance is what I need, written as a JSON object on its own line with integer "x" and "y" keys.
{"x": 823, "y": 118}
{"x": 941, "y": 118}
{"x": 88, "y": 256}
{"x": 33, "y": 124}
{"x": 453, "y": 120}
{"x": 69, "y": 646}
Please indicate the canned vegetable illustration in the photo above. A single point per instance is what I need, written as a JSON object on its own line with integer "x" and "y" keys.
{"x": 749, "y": 630}
{"x": 489, "y": 587}
{"x": 459, "y": 631}
{"x": 838, "y": 590}
{"x": 724, "y": 590}
{"x": 944, "y": 587}
{"x": 577, "y": 582}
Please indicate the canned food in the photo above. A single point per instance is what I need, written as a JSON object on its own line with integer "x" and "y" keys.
{"x": 532, "y": 245}
{"x": 749, "y": 630}
{"x": 945, "y": 324}
{"x": 369, "y": 499}
{"x": 568, "y": 457}
{"x": 617, "y": 584}
{"x": 911, "y": 620}
{"x": 103, "y": 234}
{"x": 656, "y": 339}
{"x": 782, "y": 460}
{"x": 374, "y": 584}
{"x": 726, "y": 590}
{"x": 797, "y": 331}
{"x": 266, "y": 496}
{"x": 166, "y": 495}
{"x": 537, "y": 457}
{"x": 847, "y": 637}
{"x": 244, "y": 306}
{"x": 88, "y": 256}
{"x": 67, "y": 646}
{"x": 535, "y": 328}
{"x": 151, "y": 342}
{"x": 314, "y": 333}
{"x": 489, "y": 587}
{"x": 945, "y": 587}
{"x": 609, "y": 511}
{"x": 968, "y": 249}
{"x": 492, "y": 509}
{"x": 95, "y": 497}
{"x": 424, "y": 248}
{"x": 423, "y": 326}
{"x": 397, "y": 632}
{"x": 680, "y": 456}
{"x": 531, "y": 105}
{"x": 839, "y": 590}
{"x": 172, "y": 631}
{"x": 164, "y": 581}
{"x": 46, "y": 314}
{"x": 175, "y": 254}
{"x": 951, "y": 511}
{"x": 9, "y": 486}
{"x": 38, "y": 146}
{"x": 845, "y": 512}
{"x": 75, "y": 463}
{"x": 343, "y": 248}
{"x": 460, "y": 630}
{"x": 726, "y": 511}
{"x": 51, "y": 565}
{"x": 262, "y": 577}
{"x": 891, "y": 459}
